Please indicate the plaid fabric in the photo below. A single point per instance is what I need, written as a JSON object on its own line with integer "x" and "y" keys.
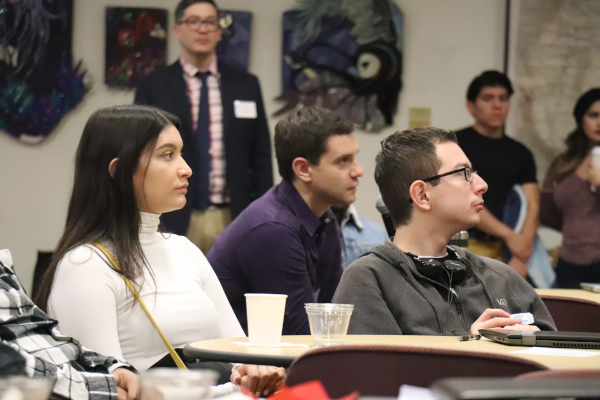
{"x": 79, "y": 372}
{"x": 218, "y": 185}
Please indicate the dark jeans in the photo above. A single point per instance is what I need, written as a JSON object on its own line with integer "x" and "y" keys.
{"x": 223, "y": 368}
{"x": 569, "y": 276}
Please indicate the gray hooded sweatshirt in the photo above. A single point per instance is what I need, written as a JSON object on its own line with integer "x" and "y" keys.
{"x": 391, "y": 297}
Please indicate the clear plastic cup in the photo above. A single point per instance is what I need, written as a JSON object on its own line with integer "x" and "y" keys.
{"x": 265, "y": 313}
{"x": 22, "y": 388}
{"x": 328, "y": 322}
{"x": 176, "y": 384}
{"x": 596, "y": 155}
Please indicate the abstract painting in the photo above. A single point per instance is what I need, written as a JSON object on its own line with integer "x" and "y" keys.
{"x": 136, "y": 44}
{"x": 39, "y": 82}
{"x": 345, "y": 55}
{"x": 236, "y": 33}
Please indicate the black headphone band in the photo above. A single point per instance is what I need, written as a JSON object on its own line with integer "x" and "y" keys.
{"x": 434, "y": 269}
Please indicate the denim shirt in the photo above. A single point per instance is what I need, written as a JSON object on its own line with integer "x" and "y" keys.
{"x": 359, "y": 235}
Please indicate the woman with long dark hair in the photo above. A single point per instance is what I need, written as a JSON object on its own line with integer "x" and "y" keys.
{"x": 570, "y": 200}
{"x": 128, "y": 170}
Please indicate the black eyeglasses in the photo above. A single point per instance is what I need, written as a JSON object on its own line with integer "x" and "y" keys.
{"x": 210, "y": 25}
{"x": 468, "y": 171}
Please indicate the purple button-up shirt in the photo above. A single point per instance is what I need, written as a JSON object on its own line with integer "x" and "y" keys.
{"x": 278, "y": 245}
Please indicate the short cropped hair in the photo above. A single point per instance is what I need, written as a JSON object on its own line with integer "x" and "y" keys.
{"x": 304, "y": 133}
{"x": 405, "y": 157}
{"x": 488, "y": 78}
{"x": 183, "y": 4}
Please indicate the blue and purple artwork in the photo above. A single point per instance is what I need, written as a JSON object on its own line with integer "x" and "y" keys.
{"x": 236, "y": 33}
{"x": 345, "y": 56}
{"x": 39, "y": 82}
{"x": 136, "y": 44}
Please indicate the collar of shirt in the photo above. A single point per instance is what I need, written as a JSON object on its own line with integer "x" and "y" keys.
{"x": 190, "y": 69}
{"x": 299, "y": 207}
{"x": 351, "y": 215}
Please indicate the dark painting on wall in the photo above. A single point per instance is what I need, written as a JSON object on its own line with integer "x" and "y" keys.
{"x": 345, "y": 56}
{"x": 39, "y": 82}
{"x": 136, "y": 44}
{"x": 236, "y": 33}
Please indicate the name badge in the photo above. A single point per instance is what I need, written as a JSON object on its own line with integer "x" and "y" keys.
{"x": 245, "y": 109}
{"x": 526, "y": 317}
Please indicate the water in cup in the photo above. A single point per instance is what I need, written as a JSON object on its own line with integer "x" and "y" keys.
{"x": 328, "y": 322}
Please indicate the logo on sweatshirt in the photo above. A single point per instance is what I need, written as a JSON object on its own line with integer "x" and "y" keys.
{"x": 502, "y": 302}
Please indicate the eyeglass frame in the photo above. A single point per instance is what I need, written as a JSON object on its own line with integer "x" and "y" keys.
{"x": 463, "y": 170}
{"x": 199, "y": 23}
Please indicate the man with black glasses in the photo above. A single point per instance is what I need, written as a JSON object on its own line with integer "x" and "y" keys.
{"x": 416, "y": 284}
{"x": 223, "y": 126}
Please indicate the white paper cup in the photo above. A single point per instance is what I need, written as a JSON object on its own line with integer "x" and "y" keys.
{"x": 596, "y": 155}
{"x": 265, "y": 317}
{"x": 328, "y": 322}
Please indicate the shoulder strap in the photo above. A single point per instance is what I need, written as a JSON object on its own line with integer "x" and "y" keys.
{"x": 136, "y": 295}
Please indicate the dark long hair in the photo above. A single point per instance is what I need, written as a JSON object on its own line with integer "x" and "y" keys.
{"x": 578, "y": 143}
{"x": 104, "y": 207}
{"x": 578, "y": 147}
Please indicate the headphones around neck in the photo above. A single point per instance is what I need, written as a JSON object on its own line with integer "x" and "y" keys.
{"x": 435, "y": 269}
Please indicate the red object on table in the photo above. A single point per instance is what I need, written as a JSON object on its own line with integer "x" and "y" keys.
{"x": 312, "y": 390}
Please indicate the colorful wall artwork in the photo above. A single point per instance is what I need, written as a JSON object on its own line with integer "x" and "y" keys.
{"x": 136, "y": 44}
{"x": 236, "y": 33}
{"x": 345, "y": 55}
{"x": 39, "y": 82}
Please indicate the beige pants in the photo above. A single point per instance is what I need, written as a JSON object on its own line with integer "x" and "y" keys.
{"x": 206, "y": 225}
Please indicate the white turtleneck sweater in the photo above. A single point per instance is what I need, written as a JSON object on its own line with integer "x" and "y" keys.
{"x": 185, "y": 298}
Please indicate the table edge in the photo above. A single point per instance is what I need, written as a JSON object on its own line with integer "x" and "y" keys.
{"x": 224, "y": 356}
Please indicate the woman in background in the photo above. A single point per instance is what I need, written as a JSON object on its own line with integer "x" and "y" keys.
{"x": 128, "y": 170}
{"x": 570, "y": 201}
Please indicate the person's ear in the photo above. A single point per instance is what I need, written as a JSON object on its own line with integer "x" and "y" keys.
{"x": 419, "y": 195}
{"x": 471, "y": 107}
{"x": 112, "y": 167}
{"x": 302, "y": 169}
{"x": 177, "y": 31}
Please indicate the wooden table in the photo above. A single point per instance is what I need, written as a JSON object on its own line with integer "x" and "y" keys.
{"x": 225, "y": 350}
{"x": 574, "y": 293}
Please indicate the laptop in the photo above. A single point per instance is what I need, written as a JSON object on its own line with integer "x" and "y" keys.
{"x": 570, "y": 340}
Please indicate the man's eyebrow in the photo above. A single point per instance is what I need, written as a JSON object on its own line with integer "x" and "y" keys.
{"x": 463, "y": 164}
{"x": 340, "y": 158}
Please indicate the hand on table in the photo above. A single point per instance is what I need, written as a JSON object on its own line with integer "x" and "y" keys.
{"x": 128, "y": 384}
{"x": 503, "y": 320}
{"x": 261, "y": 380}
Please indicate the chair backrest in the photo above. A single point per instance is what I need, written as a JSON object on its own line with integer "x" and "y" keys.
{"x": 380, "y": 370}
{"x": 562, "y": 374}
{"x": 573, "y": 315}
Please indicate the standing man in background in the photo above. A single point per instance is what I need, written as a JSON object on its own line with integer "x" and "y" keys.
{"x": 502, "y": 162}
{"x": 223, "y": 126}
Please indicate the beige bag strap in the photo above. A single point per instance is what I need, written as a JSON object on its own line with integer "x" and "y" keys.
{"x": 136, "y": 295}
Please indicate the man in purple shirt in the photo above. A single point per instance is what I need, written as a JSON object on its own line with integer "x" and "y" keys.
{"x": 287, "y": 241}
